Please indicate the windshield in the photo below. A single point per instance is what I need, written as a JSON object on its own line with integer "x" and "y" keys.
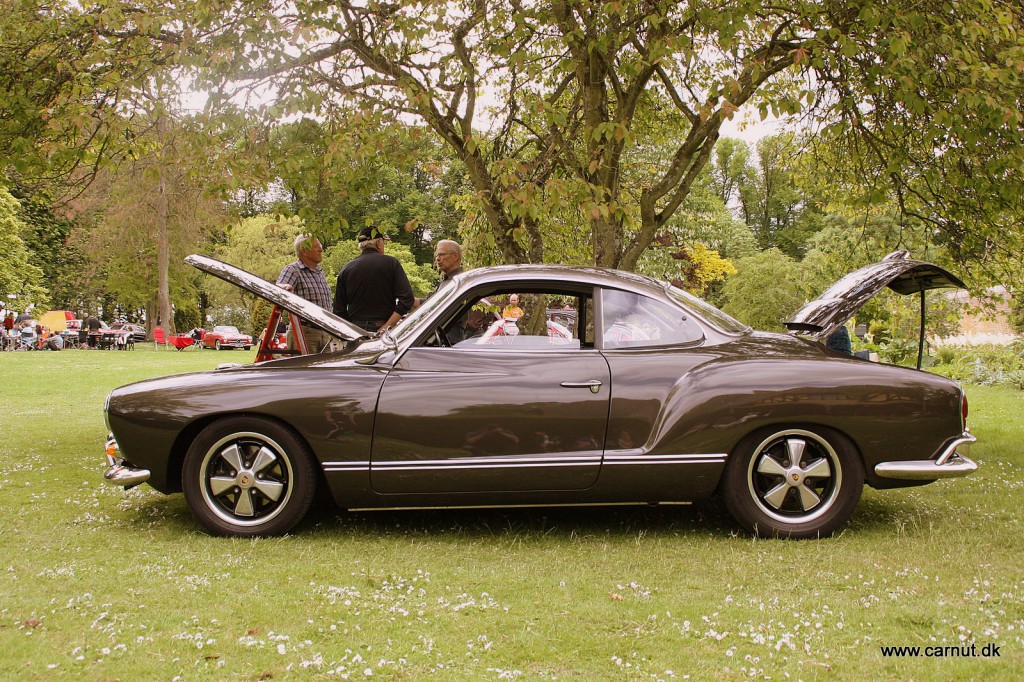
{"x": 411, "y": 322}
{"x": 226, "y": 330}
{"x": 709, "y": 312}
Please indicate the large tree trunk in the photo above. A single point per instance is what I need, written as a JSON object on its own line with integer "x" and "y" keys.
{"x": 163, "y": 258}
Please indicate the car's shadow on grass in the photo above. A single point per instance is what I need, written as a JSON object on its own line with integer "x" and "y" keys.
{"x": 706, "y": 518}
{"x": 624, "y": 521}
{"x": 703, "y": 519}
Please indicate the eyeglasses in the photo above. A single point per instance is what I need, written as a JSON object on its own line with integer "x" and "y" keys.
{"x": 444, "y": 253}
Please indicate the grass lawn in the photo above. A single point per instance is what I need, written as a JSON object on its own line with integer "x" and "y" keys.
{"x": 97, "y": 583}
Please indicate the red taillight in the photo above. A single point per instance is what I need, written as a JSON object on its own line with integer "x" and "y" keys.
{"x": 963, "y": 407}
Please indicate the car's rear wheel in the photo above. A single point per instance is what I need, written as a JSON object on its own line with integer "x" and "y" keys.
{"x": 793, "y": 482}
{"x": 248, "y": 476}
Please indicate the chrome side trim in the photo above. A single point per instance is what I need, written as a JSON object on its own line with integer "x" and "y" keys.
{"x": 638, "y": 503}
{"x": 352, "y": 467}
{"x": 646, "y": 460}
{"x": 462, "y": 463}
{"x": 949, "y": 464}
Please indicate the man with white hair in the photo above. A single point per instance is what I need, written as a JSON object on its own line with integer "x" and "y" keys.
{"x": 306, "y": 278}
{"x": 448, "y": 259}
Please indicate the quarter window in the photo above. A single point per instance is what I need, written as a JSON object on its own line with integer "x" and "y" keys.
{"x": 633, "y": 321}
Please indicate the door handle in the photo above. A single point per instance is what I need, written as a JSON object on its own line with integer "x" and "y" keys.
{"x": 594, "y": 385}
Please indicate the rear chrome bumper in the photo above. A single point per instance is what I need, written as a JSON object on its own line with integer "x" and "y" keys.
{"x": 949, "y": 464}
{"x": 119, "y": 473}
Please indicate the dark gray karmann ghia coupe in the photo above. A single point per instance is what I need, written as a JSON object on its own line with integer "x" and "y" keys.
{"x": 610, "y": 388}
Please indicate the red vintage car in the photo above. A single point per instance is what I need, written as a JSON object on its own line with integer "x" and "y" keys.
{"x": 224, "y": 336}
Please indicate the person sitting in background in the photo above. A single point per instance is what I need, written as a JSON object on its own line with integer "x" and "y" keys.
{"x": 28, "y": 334}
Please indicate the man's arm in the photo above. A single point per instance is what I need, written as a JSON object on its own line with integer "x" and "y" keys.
{"x": 403, "y": 290}
{"x": 340, "y": 297}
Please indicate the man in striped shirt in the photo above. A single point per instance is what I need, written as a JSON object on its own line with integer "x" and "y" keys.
{"x": 306, "y": 278}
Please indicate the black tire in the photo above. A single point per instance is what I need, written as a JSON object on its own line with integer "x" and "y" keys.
{"x": 248, "y": 476}
{"x": 771, "y": 495}
{"x": 246, "y": 347}
{"x": 216, "y": 344}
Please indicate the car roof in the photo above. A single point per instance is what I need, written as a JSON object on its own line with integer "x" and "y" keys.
{"x": 579, "y": 274}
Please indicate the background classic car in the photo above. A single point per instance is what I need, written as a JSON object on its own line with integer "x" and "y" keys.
{"x": 656, "y": 396}
{"x": 224, "y": 336}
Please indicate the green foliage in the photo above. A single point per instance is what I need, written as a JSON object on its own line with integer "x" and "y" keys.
{"x": 942, "y": 137}
{"x": 603, "y": 118}
{"x": 730, "y": 169}
{"x": 187, "y": 316}
{"x": 981, "y": 365}
{"x": 340, "y": 178}
{"x": 21, "y": 283}
{"x": 1017, "y": 312}
{"x": 47, "y": 238}
{"x": 694, "y": 268}
{"x": 842, "y": 247}
{"x": 72, "y": 78}
{"x": 558, "y": 132}
{"x": 152, "y": 213}
{"x": 263, "y": 245}
{"x": 765, "y": 289}
{"x": 778, "y": 196}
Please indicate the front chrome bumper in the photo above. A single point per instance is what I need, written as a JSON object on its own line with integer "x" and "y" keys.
{"x": 949, "y": 464}
{"x": 119, "y": 473}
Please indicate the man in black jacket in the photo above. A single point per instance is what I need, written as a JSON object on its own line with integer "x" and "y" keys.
{"x": 373, "y": 291}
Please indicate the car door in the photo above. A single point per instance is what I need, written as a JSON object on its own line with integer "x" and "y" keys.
{"x": 498, "y": 412}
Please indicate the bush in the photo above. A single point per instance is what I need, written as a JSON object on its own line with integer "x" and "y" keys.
{"x": 982, "y": 365}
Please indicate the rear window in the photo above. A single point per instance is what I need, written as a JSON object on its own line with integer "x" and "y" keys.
{"x": 709, "y": 312}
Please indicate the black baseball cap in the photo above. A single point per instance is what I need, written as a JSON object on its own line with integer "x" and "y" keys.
{"x": 372, "y": 232}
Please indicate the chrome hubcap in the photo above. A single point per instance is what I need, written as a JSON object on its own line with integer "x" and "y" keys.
{"x": 246, "y": 478}
{"x": 794, "y": 476}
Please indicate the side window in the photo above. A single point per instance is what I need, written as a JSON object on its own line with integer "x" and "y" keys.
{"x": 633, "y": 321}
{"x": 530, "y": 317}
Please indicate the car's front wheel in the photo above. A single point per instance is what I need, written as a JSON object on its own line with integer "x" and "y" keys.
{"x": 248, "y": 476}
{"x": 793, "y": 482}
{"x": 216, "y": 344}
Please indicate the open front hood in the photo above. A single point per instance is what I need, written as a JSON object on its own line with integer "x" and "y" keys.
{"x": 310, "y": 312}
{"x": 898, "y": 271}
